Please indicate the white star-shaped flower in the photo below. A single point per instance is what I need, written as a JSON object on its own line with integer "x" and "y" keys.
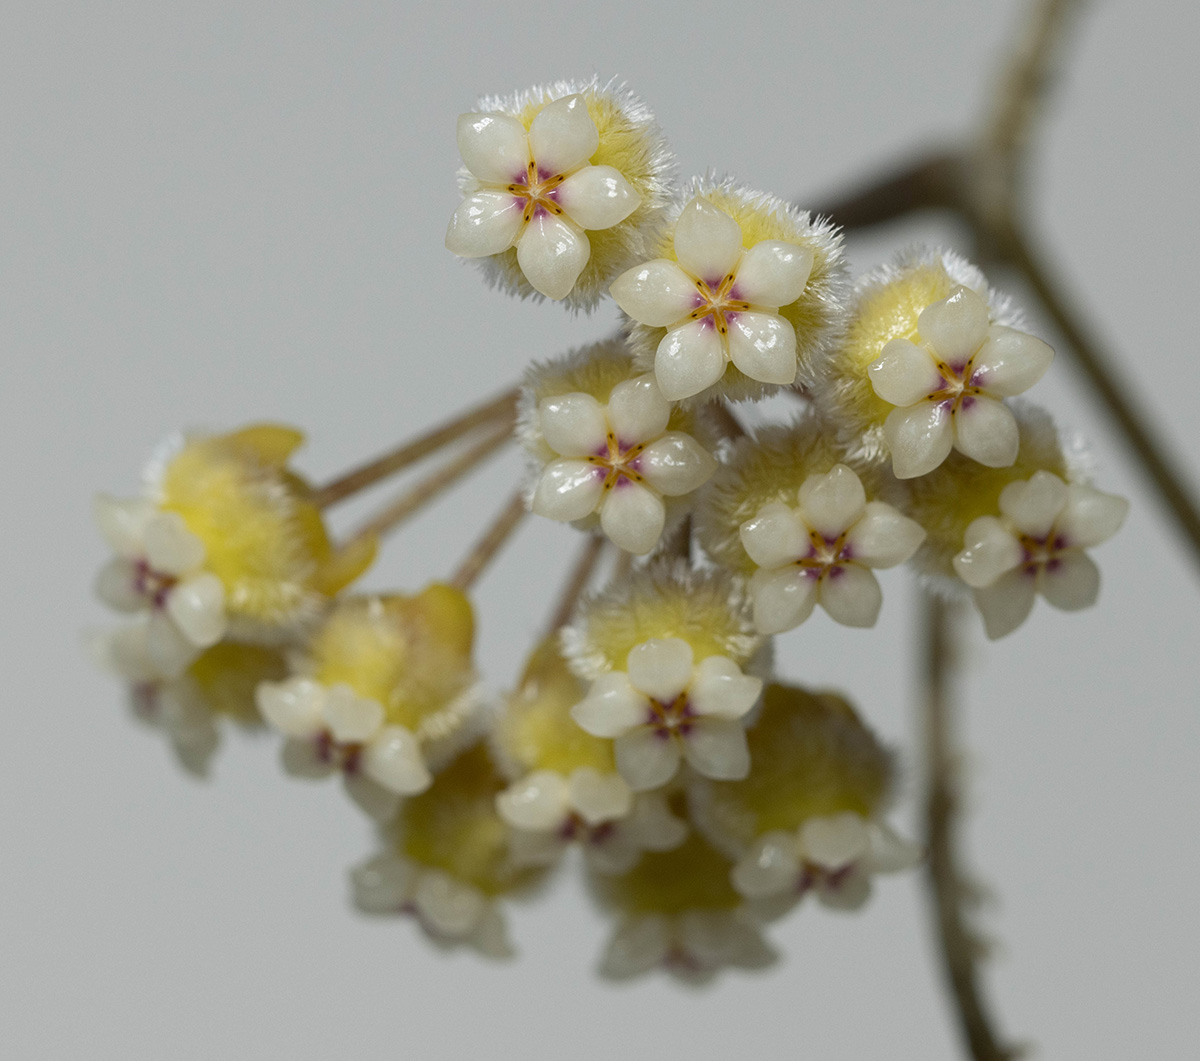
{"x": 692, "y": 945}
{"x": 1037, "y": 546}
{"x": 159, "y": 569}
{"x": 450, "y": 910}
{"x": 947, "y": 388}
{"x": 537, "y": 192}
{"x": 835, "y": 855}
{"x": 665, "y": 707}
{"x": 332, "y": 727}
{"x": 548, "y": 811}
{"x": 718, "y": 302}
{"x": 820, "y": 552}
{"x": 619, "y": 459}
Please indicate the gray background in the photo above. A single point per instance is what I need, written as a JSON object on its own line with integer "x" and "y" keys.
{"x": 218, "y": 212}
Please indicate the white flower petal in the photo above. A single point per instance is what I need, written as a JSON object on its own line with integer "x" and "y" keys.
{"x": 170, "y": 547}
{"x": 639, "y": 944}
{"x": 708, "y": 242}
{"x": 1034, "y": 505}
{"x": 568, "y": 490}
{"x": 770, "y": 867}
{"x": 1070, "y": 581}
{"x": 563, "y": 136}
{"x": 675, "y": 464}
{"x": 124, "y": 651}
{"x": 836, "y": 840}
{"x": 833, "y": 502}
{"x": 375, "y": 800}
{"x": 782, "y": 599}
{"x": 535, "y": 848}
{"x": 719, "y": 938}
{"x": 956, "y": 326}
{"x": 716, "y": 748}
{"x": 989, "y": 551}
{"x": 573, "y": 425}
{"x": 293, "y": 707}
{"x": 485, "y": 223}
{"x": 383, "y": 884}
{"x": 851, "y": 595}
{"x": 538, "y": 802}
{"x": 123, "y": 523}
{"x": 883, "y": 537}
{"x": 633, "y": 517}
{"x": 919, "y": 437}
{"x": 773, "y": 273}
{"x": 689, "y": 359}
{"x": 449, "y": 907}
{"x": 392, "y": 757}
{"x": 552, "y": 252}
{"x": 652, "y": 825}
{"x": 776, "y": 536}
{"x": 611, "y": 852}
{"x": 490, "y": 935}
{"x": 637, "y": 411}
{"x": 197, "y": 607}
{"x": 116, "y": 585}
{"x": 888, "y": 851}
{"x": 350, "y": 718}
{"x": 597, "y": 197}
{"x": 1009, "y": 362}
{"x": 661, "y": 668}
{"x": 612, "y": 706}
{"x": 1006, "y": 603}
{"x": 763, "y": 346}
{"x": 646, "y": 758}
{"x": 849, "y": 892}
{"x": 494, "y": 147}
{"x": 170, "y": 652}
{"x": 598, "y": 797}
{"x": 904, "y": 373}
{"x": 986, "y": 431}
{"x": 1089, "y": 516}
{"x": 656, "y": 293}
{"x": 720, "y": 690}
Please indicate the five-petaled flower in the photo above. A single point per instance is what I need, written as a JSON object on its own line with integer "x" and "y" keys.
{"x": 665, "y": 707}
{"x": 835, "y": 855}
{"x": 947, "y": 387}
{"x": 160, "y": 569}
{"x": 718, "y": 302}
{"x": 537, "y": 191}
{"x": 619, "y": 459}
{"x": 820, "y": 552}
{"x": 332, "y": 727}
{"x": 1037, "y": 547}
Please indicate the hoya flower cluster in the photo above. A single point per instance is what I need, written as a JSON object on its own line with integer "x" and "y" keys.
{"x": 648, "y": 726}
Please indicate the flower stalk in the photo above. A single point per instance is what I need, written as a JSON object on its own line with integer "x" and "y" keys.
{"x": 507, "y": 520}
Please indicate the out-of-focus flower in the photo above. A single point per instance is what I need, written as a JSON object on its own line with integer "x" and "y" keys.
{"x": 809, "y": 815}
{"x": 547, "y": 167}
{"x": 387, "y": 683}
{"x": 565, "y": 786}
{"x": 741, "y": 297}
{"x": 226, "y": 539}
{"x": 609, "y": 449}
{"x": 677, "y": 911}
{"x": 219, "y": 683}
{"x": 446, "y": 859}
{"x": 1036, "y": 545}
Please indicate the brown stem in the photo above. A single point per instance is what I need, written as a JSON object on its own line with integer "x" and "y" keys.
{"x": 414, "y": 499}
{"x": 959, "y": 945}
{"x": 1114, "y": 393}
{"x": 501, "y": 408}
{"x": 577, "y": 581}
{"x": 490, "y": 543}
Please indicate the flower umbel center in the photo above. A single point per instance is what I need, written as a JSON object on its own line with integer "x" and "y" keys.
{"x": 618, "y": 463}
{"x": 538, "y": 190}
{"x": 153, "y": 585}
{"x": 671, "y": 717}
{"x": 716, "y": 303}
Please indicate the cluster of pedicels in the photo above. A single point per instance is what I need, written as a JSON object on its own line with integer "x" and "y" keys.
{"x": 648, "y": 728}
